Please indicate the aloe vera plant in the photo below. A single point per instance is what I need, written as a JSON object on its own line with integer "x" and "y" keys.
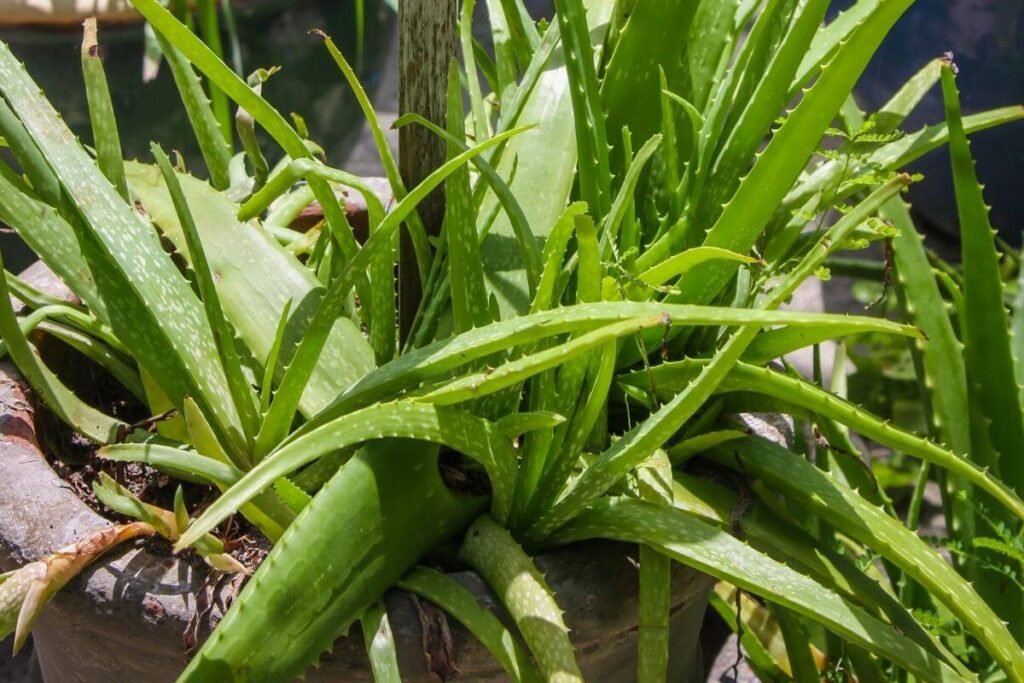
{"x": 605, "y": 290}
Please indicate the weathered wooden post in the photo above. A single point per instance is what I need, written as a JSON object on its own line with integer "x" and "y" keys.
{"x": 426, "y": 46}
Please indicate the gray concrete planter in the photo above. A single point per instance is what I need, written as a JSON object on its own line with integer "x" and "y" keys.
{"x": 123, "y": 620}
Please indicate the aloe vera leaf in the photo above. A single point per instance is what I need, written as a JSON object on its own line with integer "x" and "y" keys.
{"x": 830, "y": 38}
{"x": 631, "y": 86}
{"x": 241, "y": 393}
{"x": 201, "y": 57}
{"x": 985, "y": 326}
{"x": 893, "y": 113}
{"x": 546, "y": 163}
{"x": 513, "y": 210}
{"x": 518, "y": 424}
{"x": 278, "y": 419}
{"x": 245, "y": 124}
{"x": 33, "y": 165}
{"x": 270, "y": 367}
{"x": 504, "y": 50}
{"x": 214, "y": 148}
{"x": 151, "y": 306}
{"x": 785, "y": 157}
{"x": 745, "y": 378}
{"x": 522, "y": 31}
{"x": 759, "y": 111}
{"x": 772, "y": 344}
{"x": 101, "y": 112}
{"x": 710, "y": 550}
{"x": 727, "y": 92}
{"x": 555, "y": 247}
{"x": 708, "y": 37}
{"x": 479, "y": 384}
{"x": 91, "y": 423}
{"x": 24, "y": 592}
{"x": 167, "y": 523}
{"x": 469, "y": 294}
{"x": 481, "y": 125}
{"x": 624, "y": 197}
{"x": 678, "y": 264}
{"x": 801, "y": 654}
{"x": 254, "y": 297}
{"x": 654, "y": 480}
{"x": 853, "y": 515}
{"x": 177, "y": 462}
{"x": 70, "y": 315}
{"x": 377, "y": 532}
{"x": 459, "y": 602}
{"x": 284, "y": 179}
{"x": 684, "y": 450}
{"x": 783, "y": 540}
{"x": 941, "y": 352}
{"x": 209, "y": 28}
{"x": 380, "y": 644}
{"x": 417, "y": 232}
{"x": 490, "y": 550}
{"x": 473, "y": 436}
{"x": 31, "y": 296}
{"x": 593, "y": 166}
{"x": 430, "y": 361}
{"x": 561, "y": 461}
{"x": 896, "y": 154}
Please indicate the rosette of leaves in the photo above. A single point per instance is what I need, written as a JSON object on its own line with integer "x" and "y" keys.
{"x": 626, "y": 211}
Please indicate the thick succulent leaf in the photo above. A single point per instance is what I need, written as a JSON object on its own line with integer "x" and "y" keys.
{"x": 101, "y": 112}
{"x": 713, "y": 551}
{"x": 380, "y": 644}
{"x": 593, "y": 170}
{"x": 215, "y": 149}
{"x": 440, "y": 357}
{"x": 151, "y": 306}
{"x": 231, "y": 362}
{"x": 630, "y": 88}
{"x": 482, "y": 383}
{"x": 473, "y": 436}
{"x": 853, "y": 515}
{"x": 671, "y": 377}
{"x": 759, "y": 112}
{"x": 470, "y": 305}
{"x": 491, "y": 551}
{"x": 256, "y": 279}
{"x": 546, "y": 162}
{"x": 985, "y": 326}
{"x": 830, "y": 38}
{"x": 746, "y": 214}
{"x": 459, "y": 602}
{"x": 177, "y": 462}
{"x": 712, "y": 30}
{"x": 376, "y": 531}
